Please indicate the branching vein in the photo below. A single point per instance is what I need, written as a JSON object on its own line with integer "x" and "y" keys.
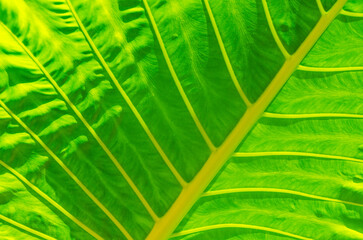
{"x": 321, "y": 7}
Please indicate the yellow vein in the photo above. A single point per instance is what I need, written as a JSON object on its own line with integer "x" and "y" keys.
{"x": 302, "y": 154}
{"x": 277, "y": 190}
{"x": 237, "y": 225}
{"x": 25, "y": 228}
{"x": 328, "y": 69}
{"x": 93, "y": 133}
{"x": 51, "y": 201}
{"x": 225, "y": 55}
{"x": 310, "y": 115}
{"x": 351, "y": 14}
{"x": 67, "y": 170}
{"x": 176, "y": 79}
{"x": 273, "y": 30}
{"x": 321, "y": 8}
{"x": 163, "y": 228}
{"x": 128, "y": 101}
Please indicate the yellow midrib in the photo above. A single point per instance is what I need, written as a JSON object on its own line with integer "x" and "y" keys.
{"x": 191, "y": 193}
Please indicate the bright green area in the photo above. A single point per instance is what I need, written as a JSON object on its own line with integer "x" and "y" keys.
{"x": 100, "y": 84}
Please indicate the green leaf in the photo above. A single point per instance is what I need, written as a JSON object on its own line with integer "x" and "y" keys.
{"x": 116, "y": 116}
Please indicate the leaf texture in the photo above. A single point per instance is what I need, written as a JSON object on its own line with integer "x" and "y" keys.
{"x": 116, "y": 115}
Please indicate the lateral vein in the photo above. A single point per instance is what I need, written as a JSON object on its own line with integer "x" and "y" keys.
{"x": 51, "y": 201}
{"x": 127, "y": 99}
{"x": 65, "y": 168}
{"x": 163, "y": 228}
{"x": 176, "y": 79}
{"x": 225, "y": 55}
{"x": 273, "y": 30}
{"x": 25, "y": 228}
{"x": 321, "y": 7}
{"x": 310, "y": 115}
{"x": 92, "y": 132}
{"x": 328, "y": 69}
{"x": 277, "y": 190}
{"x": 351, "y": 14}
{"x": 235, "y": 225}
{"x": 303, "y": 154}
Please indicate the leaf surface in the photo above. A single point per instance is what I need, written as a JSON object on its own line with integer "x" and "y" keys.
{"x": 116, "y": 115}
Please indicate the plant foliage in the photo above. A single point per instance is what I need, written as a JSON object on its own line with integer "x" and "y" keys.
{"x": 181, "y": 119}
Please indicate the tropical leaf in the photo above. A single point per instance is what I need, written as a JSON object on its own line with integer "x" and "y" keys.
{"x": 117, "y": 115}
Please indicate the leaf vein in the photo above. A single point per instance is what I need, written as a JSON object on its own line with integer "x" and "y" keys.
{"x": 310, "y": 115}
{"x": 351, "y": 14}
{"x": 328, "y": 69}
{"x": 303, "y": 154}
{"x": 321, "y": 7}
